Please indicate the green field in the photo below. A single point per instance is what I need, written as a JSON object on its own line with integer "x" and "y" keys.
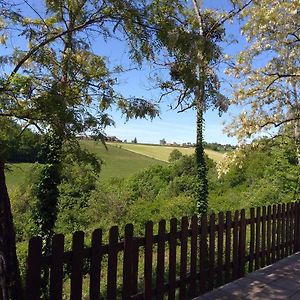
{"x": 120, "y": 160}
{"x": 17, "y": 174}
{"x": 163, "y": 152}
{"x": 117, "y": 162}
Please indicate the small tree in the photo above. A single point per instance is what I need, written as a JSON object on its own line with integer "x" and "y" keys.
{"x": 174, "y": 155}
{"x": 134, "y": 141}
{"x": 162, "y": 142}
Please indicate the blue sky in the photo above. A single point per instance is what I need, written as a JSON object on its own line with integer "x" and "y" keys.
{"x": 170, "y": 125}
{"x": 173, "y": 126}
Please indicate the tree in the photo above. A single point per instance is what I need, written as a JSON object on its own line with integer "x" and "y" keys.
{"x": 192, "y": 44}
{"x": 134, "y": 141}
{"x": 175, "y": 155}
{"x": 56, "y": 83}
{"x": 162, "y": 142}
{"x": 268, "y": 72}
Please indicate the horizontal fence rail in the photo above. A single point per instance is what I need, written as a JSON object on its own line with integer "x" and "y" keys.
{"x": 181, "y": 259}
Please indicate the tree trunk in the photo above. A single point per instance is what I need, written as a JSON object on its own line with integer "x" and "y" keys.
{"x": 10, "y": 281}
{"x": 297, "y": 139}
{"x": 202, "y": 183}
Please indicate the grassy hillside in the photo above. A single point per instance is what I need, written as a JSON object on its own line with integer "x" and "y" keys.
{"x": 163, "y": 152}
{"x": 17, "y": 174}
{"x": 119, "y": 162}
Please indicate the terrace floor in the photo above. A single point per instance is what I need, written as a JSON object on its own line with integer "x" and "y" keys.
{"x": 280, "y": 280}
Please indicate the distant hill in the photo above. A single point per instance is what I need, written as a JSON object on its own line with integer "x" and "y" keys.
{"x": 162, "y": 152}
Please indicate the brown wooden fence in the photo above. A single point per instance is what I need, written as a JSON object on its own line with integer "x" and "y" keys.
{"x": 183, "y": 261}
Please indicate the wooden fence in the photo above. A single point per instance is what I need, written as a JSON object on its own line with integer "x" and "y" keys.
{"x": 183, "y": 261}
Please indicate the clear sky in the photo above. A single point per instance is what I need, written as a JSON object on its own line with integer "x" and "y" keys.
{"x": 170, "y": 125}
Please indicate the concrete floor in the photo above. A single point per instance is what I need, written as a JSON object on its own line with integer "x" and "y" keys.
{"x": 278, "y": 281}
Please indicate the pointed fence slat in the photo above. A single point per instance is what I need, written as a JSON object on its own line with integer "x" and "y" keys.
{"x": 33, "y": 276}
{"x": 127, "y": 261}
{"x": 203, "y": 254}
{"x": 235, "y": 253}
{"x": 183, "y": 257}
{"x": 112, "y": 263}
{"x": 252, "y": 239}
{"x": 172, "y": 258}
{"x": 278, "y": 238}
{"x": 257, "y": 239}
{"x": 148, "y": 260}
{"x": 220, "y": 248}
{"x": 160, "y": 271}
{"x": 274, "y": 214}
{"x": 228, "y": 247}
{"x": 263, "y": 237}
{"x": 193, "y": 265}
{"x": 211, "y": 263}
{"x": 282, "y": 233}
{"x": 242, "y": 244}
{"x": 95, "y": 267}
{"x": 77, "y": 265}
{"x": 56, "y": 272}
{"x": 269, "y": 213}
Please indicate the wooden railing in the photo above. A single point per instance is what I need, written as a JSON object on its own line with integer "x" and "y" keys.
{"x": 186, "y": 260}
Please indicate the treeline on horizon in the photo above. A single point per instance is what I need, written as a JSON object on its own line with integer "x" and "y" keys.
{"x": 25, "y": 145}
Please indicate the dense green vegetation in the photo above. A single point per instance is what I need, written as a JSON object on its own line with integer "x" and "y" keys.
{"x": 268, "y": 175}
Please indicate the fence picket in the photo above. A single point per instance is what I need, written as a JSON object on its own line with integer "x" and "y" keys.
{"x": 203, "y": 254}
{"x": 268, "y": 258}
{"x": 95, "y": 267}
{"x": 193, "y": 266}
{"x": 263, "y": 237}
{"x": 127, "y": 261}
{"x": 282, "y": 233}
{"x": 274, "y": 214}
{"x": 252, "y": 239}
{"x": 228, "y": 246}
{"x": 112, "y": 263}
{"x": 278, "y": 237}
{"x": 211, "y": 264}
{"x": 242, "y": 244}
{"x": 257, "y": 239}
{"x": 77, "y": 265}
{"x": 183, "y": 257}
{"x": 33, "y": 275}
{"x": 235, "y": 249}
{"x": 220, "y": 248}
{"x": 148, "y": 260}
{"x": 160, "y": 271}
{"x": 172, "y": 258}
{"x": 56, "y": 271}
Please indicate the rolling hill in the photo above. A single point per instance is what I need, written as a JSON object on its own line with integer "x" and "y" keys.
{"x": 163, "y": 152}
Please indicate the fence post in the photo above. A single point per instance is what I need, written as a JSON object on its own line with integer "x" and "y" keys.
{"x": 95, "y": 267}
{"x": 127, "y": 261}
{"x": 56, "y": 272}
{"x": 34, "y": 266}
{"x": 203, "y": 254}
{"x": 242, "y": 244}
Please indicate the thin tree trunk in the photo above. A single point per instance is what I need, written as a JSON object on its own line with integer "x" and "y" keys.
{"x": 10, "y": 281}
{"x": 202, "y": 183}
